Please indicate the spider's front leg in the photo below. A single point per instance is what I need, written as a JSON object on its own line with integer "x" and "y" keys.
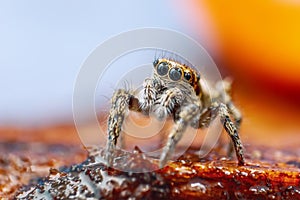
{"x": 122, "y": 100}
{"x": 187, "y": 114}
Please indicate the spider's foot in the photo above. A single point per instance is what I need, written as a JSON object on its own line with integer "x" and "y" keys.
{"x": 162, "y": 162}
{"x": 241, "y": 160}
{"x": 108, "y": 157}
{"x": 164, "y": 157}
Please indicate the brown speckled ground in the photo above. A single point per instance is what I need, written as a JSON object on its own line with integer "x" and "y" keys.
{"x": 22, "y": 163}
{"x": 269, "y": 174}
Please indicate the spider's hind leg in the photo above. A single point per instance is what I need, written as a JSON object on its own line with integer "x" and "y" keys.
{"x": 224, "y": 89}
{"x": 237, "y": 117}
{"x": 232, "y": 131}
{"x": 231, "y": 128}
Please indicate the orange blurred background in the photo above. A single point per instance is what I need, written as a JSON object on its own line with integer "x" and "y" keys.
{"x": 258, "y": 44}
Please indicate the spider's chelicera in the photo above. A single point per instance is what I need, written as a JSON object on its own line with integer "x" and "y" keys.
{"x": 178, "y": 91}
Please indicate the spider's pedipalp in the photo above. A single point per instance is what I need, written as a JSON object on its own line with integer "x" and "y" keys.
{"x": 147, "y": 95}
{"x": 166, "y": 102}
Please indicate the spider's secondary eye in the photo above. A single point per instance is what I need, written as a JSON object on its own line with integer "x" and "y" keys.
{"x": 155, "y": 62}
{"x": 187, "y": 76}
{"x": 162, "y": 68}
{"x": 175, "y": 74}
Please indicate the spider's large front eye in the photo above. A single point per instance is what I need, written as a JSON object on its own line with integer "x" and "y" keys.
{"x": 162, "y": 68}
{"x": 175, "y": 74}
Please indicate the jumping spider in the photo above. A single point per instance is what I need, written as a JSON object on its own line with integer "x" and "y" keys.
{"x": 176, "y": 90}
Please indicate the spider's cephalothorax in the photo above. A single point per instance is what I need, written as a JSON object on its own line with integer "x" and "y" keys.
{"x": 175, "y": 71}
{"x": 176, "y": 90}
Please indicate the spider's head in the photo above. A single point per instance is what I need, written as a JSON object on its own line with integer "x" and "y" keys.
{"x": 173, "y": 71}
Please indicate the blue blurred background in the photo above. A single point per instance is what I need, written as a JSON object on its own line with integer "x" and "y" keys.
{"x": 44, "y": 43}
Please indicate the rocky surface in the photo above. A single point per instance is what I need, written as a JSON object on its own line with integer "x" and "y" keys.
{"x": 269, "y": 174}
{"x": 23, "y": 163}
